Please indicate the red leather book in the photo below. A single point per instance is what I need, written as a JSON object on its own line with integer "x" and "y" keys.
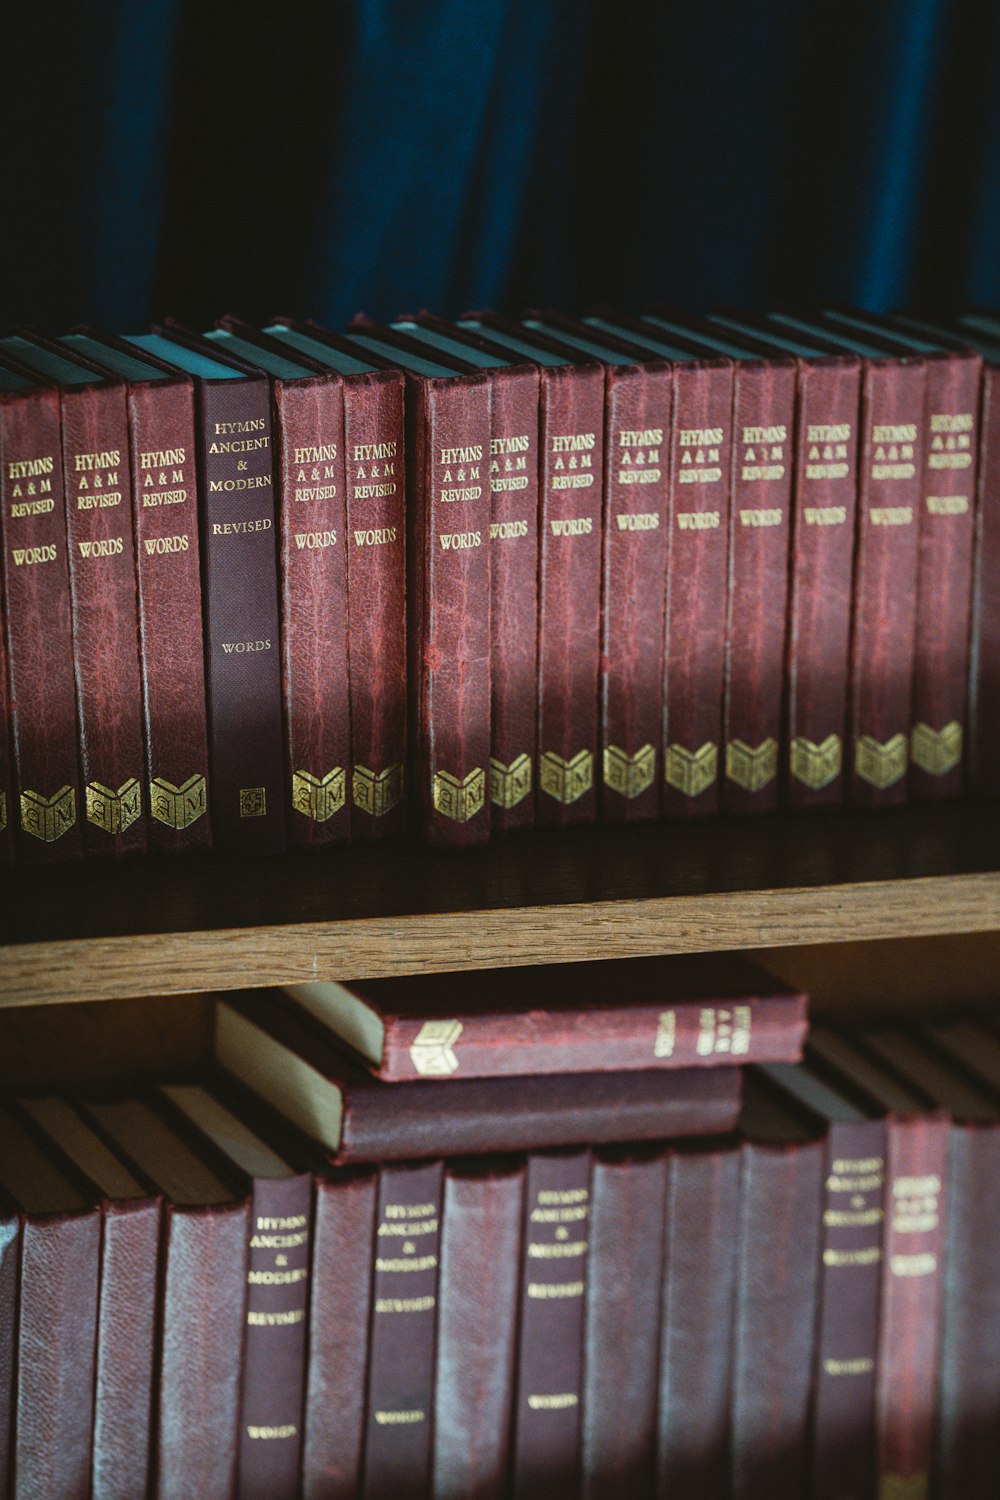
{"x": 635, "y": 1013}
{"x": 6, "y": 759}
{"x": 777, "y": 1282}
{"x": 10, "y": 1262}
{"x": 477, "y": 1326}
{"x": 622, "y": 1325}
{"x": 376, "y": 571}
{"x": 546, "y": 1451}
{"x": 401, "y": 1339}
{"x": 48, "y": 812}
{"x": 101, "y": 549}
{"x": 339, "y": 1312}
{"x": 239, "y": 563}
{"x": 571, "y": 448}
{"x": 695, "y": 1357}
{"x": 358, "y": 1118}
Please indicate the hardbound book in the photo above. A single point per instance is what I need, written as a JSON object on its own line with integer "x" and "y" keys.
{"x": 104, "y": 603}
{"x": 161, "y": 419}
{"x": 571, "y": 446}
{"x": 694, "y": 632}
{"x": 287, "y": 1059}
{"x": 448, "y": 585}
{"x": 240, "y": 602}
{"x": 824, "y": 505}
{"x": 6, "y": 759}
{"x": 635, "y": 1013}
{"x": 886, "y": 562}
{"x": 375, "y": 486}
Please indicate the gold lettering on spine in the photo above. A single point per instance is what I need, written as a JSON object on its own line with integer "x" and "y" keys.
{"x": 566, "y": 780}
{"x": 691, "y": 771}
{"x": 666, "y": 1035}
{"x": 816, "y": 765}
{"x": 114, "y": 811}
{"x": 724, "y": 1030}
{"x": 459, "y": 799}
{"x": 377, "y": 792}
{"x": 509, "y": 785}
{"x": 881, "y": 765}
{"x": 432, "y": 1051}
{"x": 752, "y": 767}
{"x": 253, "y": 802}
{"x": 48, "y": 818}
{"x": 629, "y": 775}
{"x": 319, "y": 797}
{"x": 936, "y": 751}
{"x": 178, "y": 806}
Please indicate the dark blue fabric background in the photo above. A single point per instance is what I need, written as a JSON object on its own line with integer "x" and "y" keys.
{"x": 196, "y": 156}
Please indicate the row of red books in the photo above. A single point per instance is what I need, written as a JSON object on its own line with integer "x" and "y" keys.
{"x": 284, "y": 586}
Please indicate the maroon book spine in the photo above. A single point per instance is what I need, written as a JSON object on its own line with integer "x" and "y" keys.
{"x": 545, "y": 1458}
{"x": 622, "y": 1325}
{"x": 477, "y": 1325}
{"x": 376, "y": 570}
{"x": 102, "y": 574}
{"x": 696, "y": 1322}
{"x": 819, "y": 618}
{"x": 6, "y": 780}
{"x": 339, "y": 1311}
{"x": 695, "y": 638}
{"x": 401, "y": 1352}
{"x": 201, "y": 1344}
{"x": 38, "y": 620}
{"x": 885, "y": 580}
{"x": 944, "y": 582}
{"x": 168, "y": 554}
{"x": 636, "y": 484}
{"x": 314, "y": 646}
{"x": 984, "y": 679}
{"x": 10, "y": 1258}
{"x": 126, "y": 1343}
{"x": 759, "y": 532}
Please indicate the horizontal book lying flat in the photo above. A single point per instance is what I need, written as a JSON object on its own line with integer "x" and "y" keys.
{"x": 634, "y": 1013}
{"x": 289, "y": 1061}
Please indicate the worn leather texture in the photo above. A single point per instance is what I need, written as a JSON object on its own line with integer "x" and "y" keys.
{"x": 10, "y": 1259}
{"x": 6, "y": 761}
{"x": 983, "y": 751}
{"x": 339, "y": 1312}
{"x": 622, "y": 1325}
{"x": 477, "y": 1325}
{"x": 401, "y": 1346}
{"x": 204, "y": 1313}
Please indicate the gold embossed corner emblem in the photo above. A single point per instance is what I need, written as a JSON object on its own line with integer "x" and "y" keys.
{"x": 752, "y": 768}
{"x": 936, "y": 751}
{"x": 459, "y": 800}
{"x": 253, "y": 801}
{"x": 432, "y": 1051}
{"x": 895, "y": 1487}
{"x": 881, "y": 765}
{"x": 566, "y": 780}
{"x": 114, "y": 811}
{"x": 816, "y": 765}
{"x": 178, "y": 806}
{"x": 377, "y": 792}
{"x": 319, "y": 797}
{"x": 692, "y": 771}
{"x": 48, "y": 818}
{"x": 509, "y": 785}
{"x": 630, "y": 775}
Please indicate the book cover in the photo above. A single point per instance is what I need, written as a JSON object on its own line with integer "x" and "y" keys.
{"x": 6, "y": 757}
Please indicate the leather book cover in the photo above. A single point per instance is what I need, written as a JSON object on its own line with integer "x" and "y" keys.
{"x": 622, "y": 1325}
{"x": 401, "y": 1340}
{"x": 546, "y": 1445}
{"x": 48, "y": 812}
{"x": 695, "y": 1354}
{"x": 339, "y": 1314}
{"x": 6, "y": 758}
{"x": 477, "y": 1328}
{"x": 10, "y": 1262}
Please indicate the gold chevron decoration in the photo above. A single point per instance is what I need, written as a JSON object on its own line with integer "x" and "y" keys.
{"x": 48, "y": 818}
{"x": 457, "y": 799}
{"x": 318, "y": 797}
{"x": 630, "y": 775}
{"x": 936, "y": 751}
{"x": 432, "y": 1051}
{"x": 566, "y": 780}
{"x": 377, "y": 792}
{"x": 509, "y": 785}
{"x": 816, "y": 765}
{"x": 178, "y": 806}
{"x": 692, "y": 771}
{"x": 114, "y": 811}
{"x": 752, "y": 767}
{"x": 881, "y": 765}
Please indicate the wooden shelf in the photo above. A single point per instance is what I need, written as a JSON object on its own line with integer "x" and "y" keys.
{"x": 168, "y": 927}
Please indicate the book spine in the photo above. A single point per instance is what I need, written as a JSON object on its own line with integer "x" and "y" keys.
{"x": 636, "y": 484}
{"x": 314, "y": 647}
{"x": 984, "y": 678}
{"x": 242, "y": 645}
{"x": 6, "y": 759}
{"x": 477, "y": 1323}
{"x": 38, "y": 619}
{"x": 274, "y": 1348}
{"x": 545, "y": 1457}
{"x": 696, "y": 1322}
{"x": 944, "y": 583}
{"x": 376, "y": 570}
{"x": 126, "y": 1344}
{"x": 168, "y": 565}
{"x": 759, "y": 531}
{"x": 885, "y": 583}
{"x": 101, "y": 543}
{"x": 401, "y": 1341}
{"x": 449, "y": 531}
{"x": 10, "y": 1260}
{"x": 204, "y": 1310}
{"x": 912, "y": 1267}
{"x": 694, "y": 648}
{"x": 569, "y": 600}
{"x": 343, "y": 1240}
{"x": 622, "y": 1322}
{"x": 819, "y": 620}
{"x": 514, "y": 598}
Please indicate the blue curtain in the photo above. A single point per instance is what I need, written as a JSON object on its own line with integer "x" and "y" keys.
{"x": 184, "y": 157}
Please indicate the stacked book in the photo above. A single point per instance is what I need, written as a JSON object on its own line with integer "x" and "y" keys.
{"x": 282, "y": 586}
